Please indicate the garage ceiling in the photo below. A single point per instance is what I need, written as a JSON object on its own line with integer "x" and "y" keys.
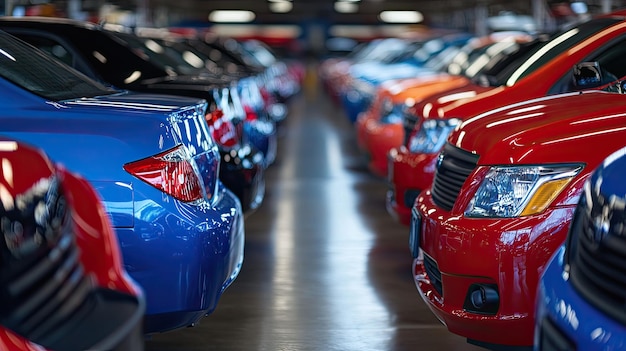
{"x": 323, "y": 10}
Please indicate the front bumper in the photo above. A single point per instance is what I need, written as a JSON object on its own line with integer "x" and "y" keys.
{"x": 360, "y": 125}
{"x": 353, "y": 104}
{"x": 461, "y": 255}
{"x": 183, "y": 256}
{"x": 106, "y": 320}
{"x": 565, "y": 317}
{"x": 381, "y": 139}
{"x": 408, "y": 174}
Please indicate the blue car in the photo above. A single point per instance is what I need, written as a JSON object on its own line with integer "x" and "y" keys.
{"x": 581, "y": 296}
{"x": 124, "y": 61}
{"x": 153, "y": 162}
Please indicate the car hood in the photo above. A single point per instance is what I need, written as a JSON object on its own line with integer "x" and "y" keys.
{"x": 422, "y": 87}
{"x": 559, "y": 128}
{"x": 440, "y": 104}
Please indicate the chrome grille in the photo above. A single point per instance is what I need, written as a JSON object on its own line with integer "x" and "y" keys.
{"x": 455, "y": 165}
{"x": 597, "y": 259}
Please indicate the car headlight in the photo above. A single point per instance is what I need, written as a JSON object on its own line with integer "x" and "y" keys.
{"x": 432, "y": 135}
{"x": 391, "y": 113}
{"x": 519, "y": 190}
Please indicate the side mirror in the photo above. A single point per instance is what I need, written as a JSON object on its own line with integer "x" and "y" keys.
{"x": 587, "y": 75}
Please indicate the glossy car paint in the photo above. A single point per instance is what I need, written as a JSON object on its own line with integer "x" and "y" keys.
{"x": 574, "y": 317}
{"x": 419, "y": 59}
{"x": 123, "y": 62}
{"x": 549, "y": 78}
{"x": 164, "y": 241}
{"x": 376, "y": 138}
{"x": 377, "y": 134}
{"x": 511, "y": 253}
{"x": 114, "y": 318}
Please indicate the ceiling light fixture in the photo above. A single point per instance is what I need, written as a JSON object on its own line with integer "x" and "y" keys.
{"x": 346, "y": 7}
{"x": 230, "y": 16}
{"x": 280, "y": 6}
{"x": 401, "y": 16}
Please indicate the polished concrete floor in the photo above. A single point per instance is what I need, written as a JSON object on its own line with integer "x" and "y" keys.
{"x": 326, "y": 267}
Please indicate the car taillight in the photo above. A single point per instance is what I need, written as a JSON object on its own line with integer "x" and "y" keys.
{"x": 222, "y": 131}
{"x": 171, "y": 172}
{"x": 251, "y": 114}
{"x": 267, "y": 96}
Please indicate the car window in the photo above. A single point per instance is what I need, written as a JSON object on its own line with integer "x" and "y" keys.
{"x": 559, "y": 43}
{"x": 611, "y": 61}
{"x": 41, "y": 74}
{"x": 52, "y": 47}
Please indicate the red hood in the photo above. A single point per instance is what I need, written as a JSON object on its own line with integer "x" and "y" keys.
{"x": 435, "y": 105}
{"x": 572, "y": 127}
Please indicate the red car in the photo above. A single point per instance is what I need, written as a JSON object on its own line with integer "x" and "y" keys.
{"x": 506, "y": 186}
{"x": 380, "y": 128}
{"x": 61, "y": 278}
{"x": 542, "y": 69}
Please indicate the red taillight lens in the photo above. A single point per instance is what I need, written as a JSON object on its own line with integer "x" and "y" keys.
{"x": 171, "y": 172}
{"x": 251, "y": 114}
{"x": 222, "y": 131}
{"x": 213, "y": 116}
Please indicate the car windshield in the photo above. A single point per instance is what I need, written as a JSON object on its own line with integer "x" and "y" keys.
{"x": 538, "y": 53}
{"x": 41, "y": 74}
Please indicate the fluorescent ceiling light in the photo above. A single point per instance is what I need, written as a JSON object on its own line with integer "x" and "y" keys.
{"x": 346, "y": 7}
{"x": 223, "y": 16}
{"x": 280, "y": 6}
{"x": 401, "y": 16}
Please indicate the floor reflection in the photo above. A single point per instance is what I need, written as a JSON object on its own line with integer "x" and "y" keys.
{"x": 326, "y": 267}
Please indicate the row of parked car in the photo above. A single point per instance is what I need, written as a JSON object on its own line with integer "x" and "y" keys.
{"x": 129, "y": 161}
{"x": 507, "y": 164}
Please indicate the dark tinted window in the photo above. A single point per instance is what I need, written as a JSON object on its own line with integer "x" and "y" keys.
{"x": 39, "y": 73}
{"x": 537, "y": 53}
{"x": 559, "y": 44}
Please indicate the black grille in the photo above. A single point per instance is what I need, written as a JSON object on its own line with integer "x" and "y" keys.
{"x": 42, "y": 283}
{"x": 409, "y": 122}
{"x": 597, "y": 255}
{"x": 455, "y": 166}
{"x": 552, "y": 339}
{"x": 433, "y": 274}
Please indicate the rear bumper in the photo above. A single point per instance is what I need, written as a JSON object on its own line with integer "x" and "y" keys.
{"x": 184, "y": 256}
{"x": 409, "y": 174}
{"x": 381, "y": 139}
{"x": 262, "y": 135}
{"x": 243, "y": 173}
